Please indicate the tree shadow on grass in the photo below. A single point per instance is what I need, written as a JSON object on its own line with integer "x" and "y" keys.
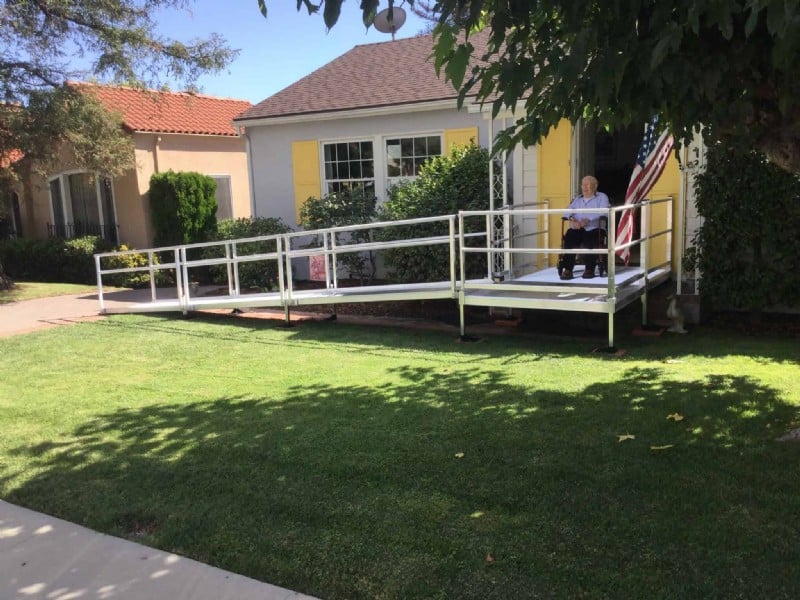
{"x": 403, "y": 490}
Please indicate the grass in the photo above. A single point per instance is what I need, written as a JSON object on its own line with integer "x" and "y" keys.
{"x": 30, "y": 290}
{"x": 327, "y": 458}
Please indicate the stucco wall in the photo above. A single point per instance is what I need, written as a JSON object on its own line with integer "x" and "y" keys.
{"x": 271, "y": 149}
{"x": 210, "y": 155}
{"x": 157, "y": 153}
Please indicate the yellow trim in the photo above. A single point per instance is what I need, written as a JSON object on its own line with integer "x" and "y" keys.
{"x": 555, "y": 152}
{"x": 305, "y": 167}
{"x": 460, "y": 137}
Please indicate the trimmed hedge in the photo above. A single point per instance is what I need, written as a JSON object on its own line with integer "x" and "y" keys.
{"x": 52, "y": 260}
{"x": 183, "y": 207}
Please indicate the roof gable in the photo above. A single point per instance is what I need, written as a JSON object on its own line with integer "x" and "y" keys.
{"x": 368, "y": 76}
{"x": 169, "y": 112}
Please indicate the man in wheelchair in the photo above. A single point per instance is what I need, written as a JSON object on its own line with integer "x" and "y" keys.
{"x": 584, "y": 228}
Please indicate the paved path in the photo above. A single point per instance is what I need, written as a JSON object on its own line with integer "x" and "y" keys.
{"x": 45, "y": 558}
{"x": 30, "y": 315}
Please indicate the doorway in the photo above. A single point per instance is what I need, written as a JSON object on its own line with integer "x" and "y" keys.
{"x": 610, "y": 156}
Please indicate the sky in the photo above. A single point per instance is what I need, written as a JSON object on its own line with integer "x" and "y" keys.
{"x": 276, "y": 51}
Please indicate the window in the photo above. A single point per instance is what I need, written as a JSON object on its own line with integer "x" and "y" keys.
{"x": 349, "y": 166}
{"x": 405, "y": 156}
{"x": 10, "y": 219}
{"x": 223, "y": 196}
{"x": 83, "y": 204}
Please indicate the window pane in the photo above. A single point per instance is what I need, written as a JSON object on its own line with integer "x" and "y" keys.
{"x": 434, "y": 146}
{"x": 355, "y": 151}
{"x": 407, "y": 147}
{"x": 355, "y": 169}
{"x": 329, "y": 152}
{"x": 223, "y": 196}
{"x": 344, "y": 170}
{"x": 85, "y": 205}
{"x": 329, "y": 171}
{"x": 58, "y": 209}
{"x": 420, "y": 146}
{"x": 367, "y": 169}
{"x": 341, "y": 152}
{"x": 109, "y": 218}
{"x": 366, "y": 150}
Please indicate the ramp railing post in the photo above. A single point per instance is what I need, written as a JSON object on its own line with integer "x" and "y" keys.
{"x": 462, "y": 273}
{"x": 452, "y": 225}
{"x": 99, "y": 284}
{"x": 152, "y": 271}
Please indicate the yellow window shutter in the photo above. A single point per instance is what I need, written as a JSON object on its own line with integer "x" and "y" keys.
{"x": 305, "y": 167}
{"x": 554, "y": 176}
{"x": 460, "y": 137}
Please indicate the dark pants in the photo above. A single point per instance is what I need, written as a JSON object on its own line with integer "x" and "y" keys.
{"x": 581, "y": 238}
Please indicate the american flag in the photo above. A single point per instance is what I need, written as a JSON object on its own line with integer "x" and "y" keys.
{"x": 650, "y": 163}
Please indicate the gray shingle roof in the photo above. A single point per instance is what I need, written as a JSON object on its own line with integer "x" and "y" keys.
{"x": 368, "y": 76}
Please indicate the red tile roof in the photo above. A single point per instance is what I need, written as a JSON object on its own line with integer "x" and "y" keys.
{"x": 368, "y": 76}
{"x": 170, "y": 112}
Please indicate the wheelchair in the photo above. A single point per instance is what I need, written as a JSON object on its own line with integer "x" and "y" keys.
{"x": 602, "y": 242}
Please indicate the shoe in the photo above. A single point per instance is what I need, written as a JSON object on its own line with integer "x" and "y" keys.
{"x": 566, "y": 274}
{"x": 588, "y": 273}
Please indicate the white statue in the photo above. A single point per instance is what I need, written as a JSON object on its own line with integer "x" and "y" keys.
{"x": 675, "y": 313}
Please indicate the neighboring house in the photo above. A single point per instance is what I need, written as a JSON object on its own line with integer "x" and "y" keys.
{"x": 171, "y": 131}
{"x": 370, "y": 117}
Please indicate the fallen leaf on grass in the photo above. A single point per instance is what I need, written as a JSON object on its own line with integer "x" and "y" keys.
{"x": 661, "y": 447}
{"x": 489, "y": 558}
{"x": 675, "y": 417}
{"x": 625, "y": 436}
{"x": 459, "y": 455}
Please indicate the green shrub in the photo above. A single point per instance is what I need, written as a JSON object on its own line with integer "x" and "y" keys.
{"x": 747, "y": 247}
{"x": 353, "y": 207}
{"x": 136, "y": 279}
{"x": 446, "y": 184}
{"x": 262, "y": 274}
{"x": 52, "y": 260}
{"x": 183, "y": 207}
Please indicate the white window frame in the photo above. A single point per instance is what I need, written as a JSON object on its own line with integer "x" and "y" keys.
{"x": 382, "y": 181}
{"x": 66, "y": 199}
{"x": 393, "y": 180}
{"x": 325, "y": 182}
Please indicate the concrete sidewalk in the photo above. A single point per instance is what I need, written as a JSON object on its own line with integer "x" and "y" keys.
{"x": 45, "y": 558}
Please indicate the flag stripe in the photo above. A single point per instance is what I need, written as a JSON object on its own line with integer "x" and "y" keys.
{"x": 650, "y": 163}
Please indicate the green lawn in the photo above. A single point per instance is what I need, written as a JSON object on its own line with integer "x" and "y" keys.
{"x": 350, "y": 462}
{"x": 29, "y": 290}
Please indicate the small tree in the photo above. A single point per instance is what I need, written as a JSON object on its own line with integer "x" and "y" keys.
{"x": 183, "y": 207}
{"x": 747, "y": 247}
{"x": 446, "y": 184}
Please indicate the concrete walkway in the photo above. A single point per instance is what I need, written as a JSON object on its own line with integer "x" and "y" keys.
{"x": 45, "y": 558}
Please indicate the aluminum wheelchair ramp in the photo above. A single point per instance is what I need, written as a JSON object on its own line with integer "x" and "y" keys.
{"x": 512, "y": 277}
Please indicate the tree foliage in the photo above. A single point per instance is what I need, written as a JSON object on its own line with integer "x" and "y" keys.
{"x": 42, "y": 41}
{"x": 729, "y": 65}
{"x": 115, "y": 39}
{"x": 60, "y": 116}
{"x": 747, "y": 247}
